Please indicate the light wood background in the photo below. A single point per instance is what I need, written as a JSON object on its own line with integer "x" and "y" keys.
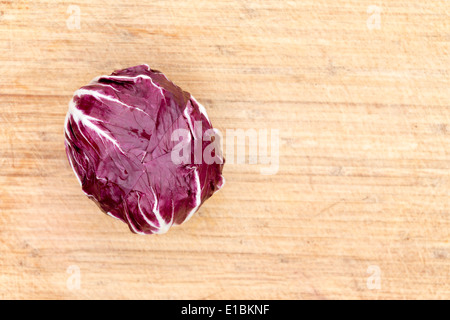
{"x": 363, "y": 182}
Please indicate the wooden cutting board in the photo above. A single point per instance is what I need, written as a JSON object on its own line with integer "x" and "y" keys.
{"x": 360, "y": 95}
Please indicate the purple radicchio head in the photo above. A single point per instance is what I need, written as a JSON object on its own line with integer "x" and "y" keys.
{"x": 122, "y": 138}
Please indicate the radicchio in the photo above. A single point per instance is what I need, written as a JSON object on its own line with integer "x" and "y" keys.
{"x": 118, "y": 141}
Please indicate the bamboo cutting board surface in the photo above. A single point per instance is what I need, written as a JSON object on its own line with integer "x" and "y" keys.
{"x": 359, "y": 207}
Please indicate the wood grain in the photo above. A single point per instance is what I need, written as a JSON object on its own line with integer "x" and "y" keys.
{"x": 364, "y": 120}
